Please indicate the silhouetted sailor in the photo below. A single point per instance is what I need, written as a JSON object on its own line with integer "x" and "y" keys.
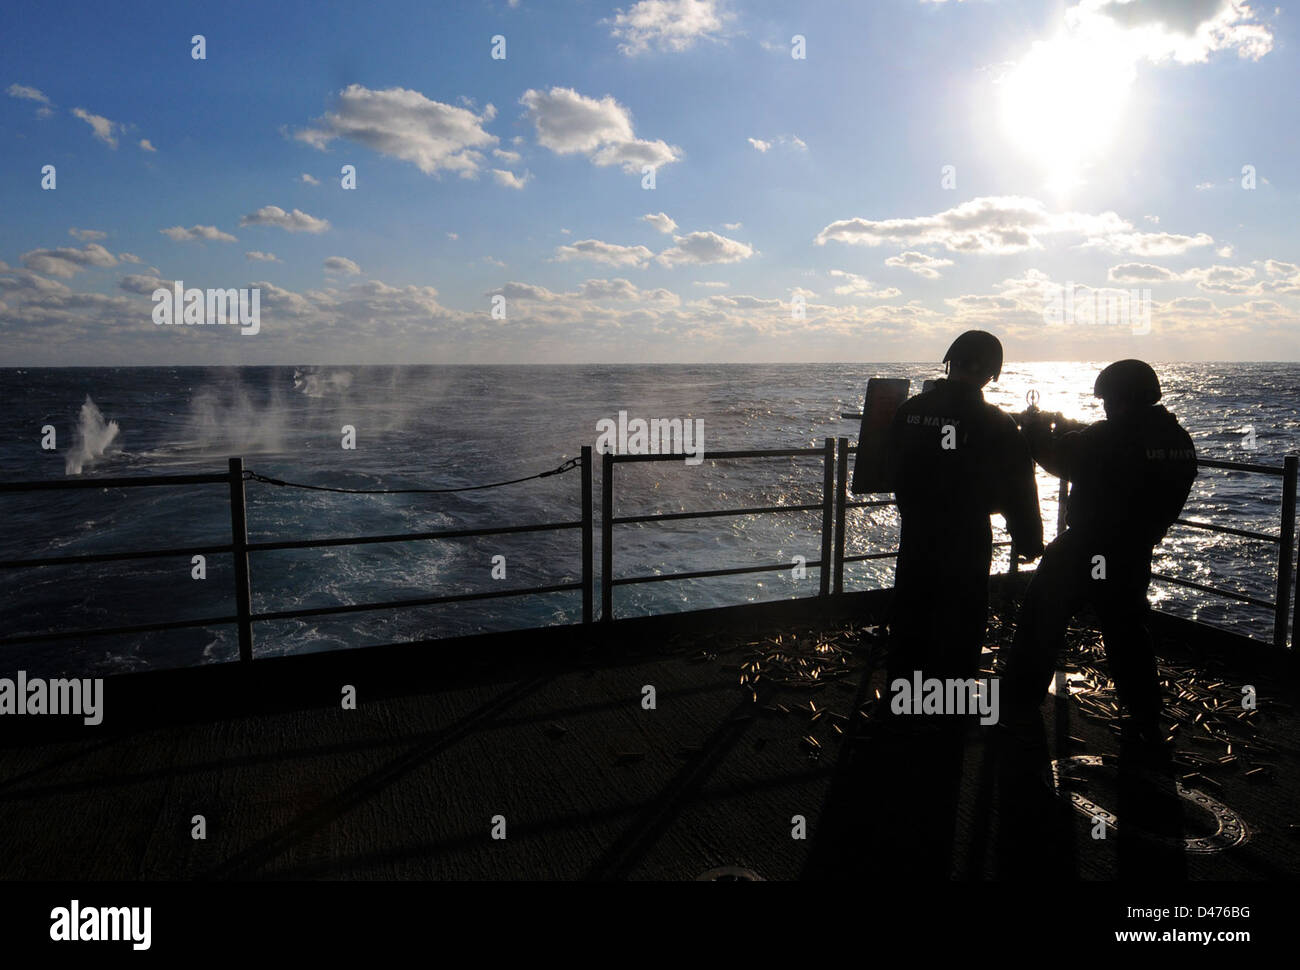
{"x": 1129, "y": 477}
{"x": 954, "y": 461}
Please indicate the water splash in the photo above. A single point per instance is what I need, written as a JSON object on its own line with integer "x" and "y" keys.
{"x": 226, "y": 420}
{"x": 93, "y": 438}
{"x": 316, "y": 383}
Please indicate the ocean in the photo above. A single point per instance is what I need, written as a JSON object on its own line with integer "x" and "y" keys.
{"x": 441, "y": 427}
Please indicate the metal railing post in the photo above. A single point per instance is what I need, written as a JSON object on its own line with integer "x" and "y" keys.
{"x": 239, "y": 540}
{"x": 1062, "y": 497}
{"x": 587, "y": 565}
{"x": 828, "y": 513}
{"x": 607, "y": 537}
{"x": 841, "y": 500}
{"x": 1282, "y": 612}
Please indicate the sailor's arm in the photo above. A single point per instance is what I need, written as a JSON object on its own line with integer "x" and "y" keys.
{"x": 1175, "y": 484}
{"x": 1054, "y": 441}
{"x": 1021, "y": 510}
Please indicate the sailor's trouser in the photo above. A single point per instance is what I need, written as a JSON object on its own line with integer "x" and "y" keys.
{"x": 941, "y": 601}
{"x": 1078, "y": 570}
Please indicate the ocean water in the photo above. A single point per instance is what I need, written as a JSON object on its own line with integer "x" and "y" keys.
{"x": 438, "y": 427}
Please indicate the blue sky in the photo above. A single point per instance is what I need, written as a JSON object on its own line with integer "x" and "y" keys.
{"x": 925, "y": 168}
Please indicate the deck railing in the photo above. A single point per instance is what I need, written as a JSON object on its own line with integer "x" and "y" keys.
{"x": 833, "y": 506}
{"x": 825, "y": 565}
{"x": 1282, "y": 605}
{"x": 240, "y": 548}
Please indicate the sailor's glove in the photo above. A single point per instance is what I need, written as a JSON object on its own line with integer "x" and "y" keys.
{"x": 1029, "y": 553}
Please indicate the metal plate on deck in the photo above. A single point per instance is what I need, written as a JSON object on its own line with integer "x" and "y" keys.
{"x": 1231, "y": 828}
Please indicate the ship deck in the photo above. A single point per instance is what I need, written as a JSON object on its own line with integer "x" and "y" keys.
{"x": 548, "y": 732}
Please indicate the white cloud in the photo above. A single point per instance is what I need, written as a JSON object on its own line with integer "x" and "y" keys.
{"x": 1154, "y": 220}
{"x": 746, "y": 302}
{"x": 592, "y": 291}
{"x": 142, "y": 284}
{"x": 625, "y": 291}
{"x": 673, "y": 25}
{"x": 857, "y": 286}
{"x": 786, "y": 141}
{"x": 660, "y": 221}
{"x": 512, "y": 158}
{"x": 103, "y": 128}
{"x": 129, "y": 258}
{"x": 258, "y": 256}
{"x": 306, "y": 179}
{"x": 1141, "y": 273}
{"x": 611, "y": 254}
{"x": 27, "y": 282}
{"x": 1225, "y": 251}
{"x": 919, "y": 263}
{"x": 42, "y": 319}
{"x": 1186, "y": 31}
{"x": 27, "y": 94}
{"x": 453, "y": 236}
{"x": 295, "y": 221}
{"x": 1228, "y": 280}
{"x": 1232, "y": 280}
{"x": 67, "y": 261}
{"x": 341, "y": 264}
{"x": 146, "y": 145}
{"x": 731, "y": 226}
{"x": 711, "y": 284}
{"x": 989, "y": 224}
{"x": 404, "y": 124}
{"x": 510, "y": 180}
{"x": 86, "y": 235}
{"x": 1204, "y": 186}
{"x": 705, "y": 247}
{"x": 569, "y": 123}
{"x": 1150, "y": 243}
{"x": 208, "y": 233}
{"x": 1284, "y": 278}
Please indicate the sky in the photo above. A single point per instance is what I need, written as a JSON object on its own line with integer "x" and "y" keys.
{"x": 650, "y": 180}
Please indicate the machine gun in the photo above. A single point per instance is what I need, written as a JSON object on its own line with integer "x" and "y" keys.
{"x": 1035, "y": 422}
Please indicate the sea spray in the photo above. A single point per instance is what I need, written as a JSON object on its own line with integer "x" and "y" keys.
{"x": 228, "y": 420}
{"x": 93, "y": 437}
{"x": 316, "y": 383}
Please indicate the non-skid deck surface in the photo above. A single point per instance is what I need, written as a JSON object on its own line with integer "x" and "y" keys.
{"x": 590, "y": 784}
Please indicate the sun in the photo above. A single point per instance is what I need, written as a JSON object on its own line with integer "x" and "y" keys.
{"x": 1063, "y": 103}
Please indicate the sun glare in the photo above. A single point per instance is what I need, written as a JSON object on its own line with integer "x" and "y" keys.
{"x": 1062, "y": 105}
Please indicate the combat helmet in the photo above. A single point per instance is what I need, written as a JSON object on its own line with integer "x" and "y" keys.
{"x": 978, "y": 347}
{"x": 1128, "y": 380}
